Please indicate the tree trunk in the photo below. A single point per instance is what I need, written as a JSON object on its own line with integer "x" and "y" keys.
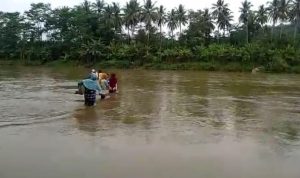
{"x": 21, "y": 55}
{"x": 229, "y": 32}
{"x": 179, "y": 29}
{"x": 128, "y": 35}
{"x": 160, "y": 44}
{"x": 148, "y": 39}
{"x": 281, "y": 29}
{"x": 295, "y": 30}
{"x": 247, "y": 34}
{"x": 132, "y": 33}
{"x": 172, "y": 38}
{"x": 207, "y": 40}
{"x": 218, "y": 35}
{"x": 272, "y": 32}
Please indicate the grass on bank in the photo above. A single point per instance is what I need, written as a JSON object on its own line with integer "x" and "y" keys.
{"x": 61, "y": 65}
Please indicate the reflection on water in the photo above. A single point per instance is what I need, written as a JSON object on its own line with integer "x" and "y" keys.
{"x": 160, "y": 124}
{"x": 87, "y": 119}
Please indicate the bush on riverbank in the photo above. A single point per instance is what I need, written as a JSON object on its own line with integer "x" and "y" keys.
{"x": 251, "y": 56}
{"x": 212, "y": 58}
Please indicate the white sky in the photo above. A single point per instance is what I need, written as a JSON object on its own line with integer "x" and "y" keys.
{"x": 22, "y": 5}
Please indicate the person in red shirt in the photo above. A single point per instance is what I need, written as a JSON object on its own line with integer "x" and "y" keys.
{"x": 113, "y": 83}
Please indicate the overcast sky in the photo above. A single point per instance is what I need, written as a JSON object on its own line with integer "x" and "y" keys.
{"x": 21, "y": 5}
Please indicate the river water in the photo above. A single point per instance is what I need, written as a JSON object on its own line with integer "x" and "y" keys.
{"x": 161, "y": 124}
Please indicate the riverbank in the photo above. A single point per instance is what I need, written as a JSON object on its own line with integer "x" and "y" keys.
{"x": 123, "y": 64}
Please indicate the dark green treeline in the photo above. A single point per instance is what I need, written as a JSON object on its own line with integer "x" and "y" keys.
{"x": 147, "y": 34}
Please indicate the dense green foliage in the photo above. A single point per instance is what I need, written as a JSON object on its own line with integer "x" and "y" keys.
{"x": 148, "y": 35}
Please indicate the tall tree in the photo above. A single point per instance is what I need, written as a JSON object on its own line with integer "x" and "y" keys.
{"x": 181, "y": 16}
{"x": 172, "y": 22}
{"x": 295, "y": 16}
{"x": 207, "y": 24}
{"x": 98, "y": 6}
{"x": 161, "y": 20}
{"x": 111, "y": 19}
{"x": 86, "y": 6}
{"x": 108, "y": 17}
{"x": 222, "y": 15}
{"x": 117, "y": 17}
{"x": 200, "y": 28}
{"x": 244, "y": 17}
{"x": 148, "y": 16}
{"x": 274, "y": 13}
{"x": 87, "y": 22}
{"x": 283, "y": 11}
{"x": 37, "y": 15}
{"x": 262, "y": 15}
{"x": 131, "y": 16}
{"x": 59, "y": 23}
{"x": 253, "y": 24}
{"x": 10, "y": 34}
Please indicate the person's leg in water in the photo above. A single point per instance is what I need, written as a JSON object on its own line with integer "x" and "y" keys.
{"x": 89, "y": 97}
{"x": 112, "y": 90}
{"x": 102, "y": 96}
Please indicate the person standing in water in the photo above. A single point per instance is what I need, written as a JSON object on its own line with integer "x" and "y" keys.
{"x": 93, "y": 72}
{"x": 113, "y": 83}
{"x": 102, "y": 75}
{"x": 103, "y": 80}
{"x": 91, "y": 86}
{"x": 80, "y": 83}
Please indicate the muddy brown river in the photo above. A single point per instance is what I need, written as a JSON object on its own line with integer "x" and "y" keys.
{"x": 161, "y": 124}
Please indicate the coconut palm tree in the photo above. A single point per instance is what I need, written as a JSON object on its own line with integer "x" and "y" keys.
{"x": 161, "y": 17}
{"x": 181, "y": 17}
{"x": 148, "y": 16}
{"x": 98, "y": 6}
{"x": 295, "y": 16}
{"x": 253, "y": 24}
{"x": 86, "y": 6}
{"x": 117, "y": 20}
{"x": 273, "y": 13}
{"x": 131, "y": 16}
{"x": 283, "y": 11}
{"x": 161, "y": 20}
{"x": 108, "y": 16}
{"x": 201, "y": 25}
{"x": 244, "y": 17}
{"x": 222, "y": 14}
{"x": 172, "y": 22}
{"x": 262, "y": 16}
{"x": 207, "y": 23}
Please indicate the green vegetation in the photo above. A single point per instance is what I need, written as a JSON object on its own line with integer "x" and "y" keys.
{"x": 149, "y": 36}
